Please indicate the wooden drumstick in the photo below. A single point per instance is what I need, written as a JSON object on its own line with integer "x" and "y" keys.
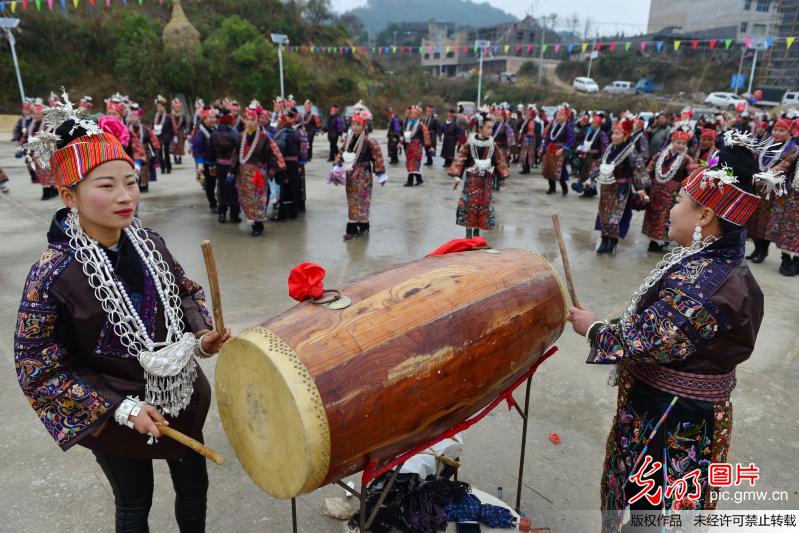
{"x": 195, "y": 445}
{"x": 565, "y": 257}
{"x": 213, "y": 281}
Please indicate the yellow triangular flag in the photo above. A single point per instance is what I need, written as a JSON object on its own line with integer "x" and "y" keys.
{"x": 75, "y": 3}
{"x": 677, "y": 45}
{"x": 393, "y": 49}
{"x": 447, "y": 49}
{"x": 13, "y": 7}
{"x": 507, "y": 47}
{"x": 585, "y": 47}
{"x": 788, "y": 40}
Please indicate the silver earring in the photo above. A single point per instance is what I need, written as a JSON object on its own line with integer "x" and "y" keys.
{"x": 74, "y": 210}
{"x": 697, "y": 240}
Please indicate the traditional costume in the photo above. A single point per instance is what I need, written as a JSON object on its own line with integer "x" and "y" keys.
{"x": 591, "y": 144}
{"x": 164, "y": 129}
{"x": 676, "y": 346}
{"x": 771, "y": 152}
{"x": 288, "y": 142}
{"x": 558, "y": 142}
{"x": 667, "y": 170}
{"x": 705, "y": 150}
{"x": 504, "y": 134}
{"x": 180, "y": 125}
{"x": 225, "y": 142}
{"x": 783, "y": 224}
{"x": 143, "y": 149}
{"x": 39, "y": 172}
{"x": 615, "y": 172}
{"x": 479, "y": 163}
{"x": 416, "y": 141}
{"x": 201, "y": 150}
{"x": 100, "y": 328}
{"x": 529, "y": 131}
{"x": 258, "y": 160}
{"x": 355, "y": 166}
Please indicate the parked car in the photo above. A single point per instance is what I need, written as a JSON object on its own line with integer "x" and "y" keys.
{"x": 766, "y": 96}
{"x": 619, "y": 87}
{"x": 647, "y": 86}
{"x": 724, "y": 100}
{"x": 586, "y": 85}
{"x": 507, "y": 77}
{"x": 790, "y": 98}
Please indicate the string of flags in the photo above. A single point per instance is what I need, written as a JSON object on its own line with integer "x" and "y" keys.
{"x": 518, "y": 49}
{"x": 529, "y": 49}
{"x": 13, "y": 5}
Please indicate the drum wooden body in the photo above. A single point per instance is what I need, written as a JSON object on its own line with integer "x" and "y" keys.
{"x": 315, "y": 394}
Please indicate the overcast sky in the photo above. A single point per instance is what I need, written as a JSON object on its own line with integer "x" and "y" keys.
{"x": 628, "y": 16}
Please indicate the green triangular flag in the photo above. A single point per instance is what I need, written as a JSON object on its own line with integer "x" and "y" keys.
{"x": 727, "y": 43}
{"x": 627, "y": 46}
{"x": 39, "y": 5}
{"x": 545, "y": 48}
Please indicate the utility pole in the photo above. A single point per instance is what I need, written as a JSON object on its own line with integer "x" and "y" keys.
{"x": 8, "y": 24}
{"x": 541, "y": 54}
{"x": 740, "y": 68}
{"x": 482, "y": 45}
{"x": 752, "y": 74}
{"x": 280, "y": 39}
{"x": 591, "y": 57}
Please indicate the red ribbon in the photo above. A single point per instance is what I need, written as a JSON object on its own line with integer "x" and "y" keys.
{"x": 258, "y": 180}
{"x": 305, "y": 281}
{"x": 459, "y": 245}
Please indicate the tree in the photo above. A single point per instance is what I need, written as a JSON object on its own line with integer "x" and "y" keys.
{"x": 317, "y": 12}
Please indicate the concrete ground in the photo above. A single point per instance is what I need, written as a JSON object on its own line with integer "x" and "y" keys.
{"x": 43, "y": 489}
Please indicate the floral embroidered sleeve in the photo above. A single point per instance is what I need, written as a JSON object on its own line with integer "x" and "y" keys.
{"x": 69, "y": 407}
{"x": 669, "y": 330}
{"x": 277, "y": 158}
{"x": 426, "y": 136}
{"x": 500, "y": 162}
{"x": 457, "y": 166}
{"x": 377, "y": 158}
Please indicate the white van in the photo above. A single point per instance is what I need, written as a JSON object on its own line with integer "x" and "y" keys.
{"x": 791, "y": 97}
{"x": 620, "y": 87}
{"x": 586, "y": 85}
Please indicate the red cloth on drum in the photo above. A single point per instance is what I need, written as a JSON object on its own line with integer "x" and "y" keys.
{"x": 305, "y": 281}
{"x": 459, "y": 245}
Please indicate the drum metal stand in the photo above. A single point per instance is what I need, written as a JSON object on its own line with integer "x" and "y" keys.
{"x": 366, "y": 522}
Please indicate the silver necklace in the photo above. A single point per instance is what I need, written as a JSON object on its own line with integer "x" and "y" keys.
{"x": 606, "y": 169}
{"x": 204, "y": 131}
{"x": 673, "y": 168}
{"x": 159, "y": 119}
{"x": 481, "y": 165}
{"x": 169, "y": 367}
{"x": 553, "y": 133}
{"x": 244, "y": 157}
{"x": 765, "y": 166}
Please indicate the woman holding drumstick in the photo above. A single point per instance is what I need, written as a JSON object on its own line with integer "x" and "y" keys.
{"x": 109, "y": 326}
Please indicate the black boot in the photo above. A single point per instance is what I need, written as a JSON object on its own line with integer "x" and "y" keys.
{"x": 257, "y": 228}
{"x": 45, "y": 193}
{"x": 363, "y": 228}
{"x": 551, "y": 189}
{"x": 222, "y": 216}
{"x": 612, "y": 242}
{"x": 419, "y": 179}
{"x": 409, "y": 183}
{"x": 234, "y": 215}
{"x": 564, "y": 187}
{"x": 603, "y": 246}
{"x": 788, "y": 267}
{"x": 469, "y": 233}
{"x": 761, "y": 251}
{"x": 476, "y": 232}
{"x": 525, "y": 169}
{"x": 352, "y": 231}
{"x": 655, "y": 246}
{"x": 429, "y": 162}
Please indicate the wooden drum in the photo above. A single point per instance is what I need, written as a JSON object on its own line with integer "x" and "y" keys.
{"x": 315, "y": 394}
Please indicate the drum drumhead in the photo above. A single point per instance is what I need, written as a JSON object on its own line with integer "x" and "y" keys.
{"x": 272, "y": 413}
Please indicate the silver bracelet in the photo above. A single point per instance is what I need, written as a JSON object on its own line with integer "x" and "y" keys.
{"x": 130, "y": 406}
{"x": 198, "y": 349}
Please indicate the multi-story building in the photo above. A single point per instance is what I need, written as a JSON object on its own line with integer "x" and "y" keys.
{"x": 781, "y": 65}
{"x": 443, "y": 51}
{"x": 722, "y": 19}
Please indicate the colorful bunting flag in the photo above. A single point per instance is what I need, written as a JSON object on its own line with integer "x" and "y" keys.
{"x": 677, "y": 45}
{"x": 544, "y": 51}
{"x": 727, "y": 43}
{"x": 749, "y": 42}
{"x": 557, "y": 48}
{"x": 694, "y": 44}
{"x": 788, "y": 41}
{"x": 712, "y": 44}
{"x": 585, "y": 47}
{"x": 627, "y": 46}
{"x": 507, "y": 47}
{"x": 643, "y": 45}
{"x": 613, "y": 47}
{"x": 570, "y": 48}
{"x": 659, "y": 45}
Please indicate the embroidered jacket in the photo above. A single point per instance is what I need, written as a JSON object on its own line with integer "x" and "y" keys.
{"x": 702, "y": 318}
{"x": 72, "y": 366}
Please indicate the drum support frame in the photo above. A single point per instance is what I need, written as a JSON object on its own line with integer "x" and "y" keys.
{"x": 365, "y": 522}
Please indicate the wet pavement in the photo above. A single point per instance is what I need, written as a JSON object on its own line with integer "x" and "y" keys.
{"x": 42, "y": 488}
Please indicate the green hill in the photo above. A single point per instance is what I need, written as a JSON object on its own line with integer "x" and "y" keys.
{"x": 377, "y": 14}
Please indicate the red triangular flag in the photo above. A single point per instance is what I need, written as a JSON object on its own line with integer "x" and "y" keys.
{"x": 598, "y": 47}
{"x": 694, "y": 44}
{"x": 712, "y": 43}
{"x": 613, "y": 47}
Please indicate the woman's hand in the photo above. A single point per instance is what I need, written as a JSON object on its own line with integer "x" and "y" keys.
{"x": 581, "y": 319}
{"x": 212, "y": 343}
{"x": 455, "y": 183}
{"x": 145, "y": 421}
